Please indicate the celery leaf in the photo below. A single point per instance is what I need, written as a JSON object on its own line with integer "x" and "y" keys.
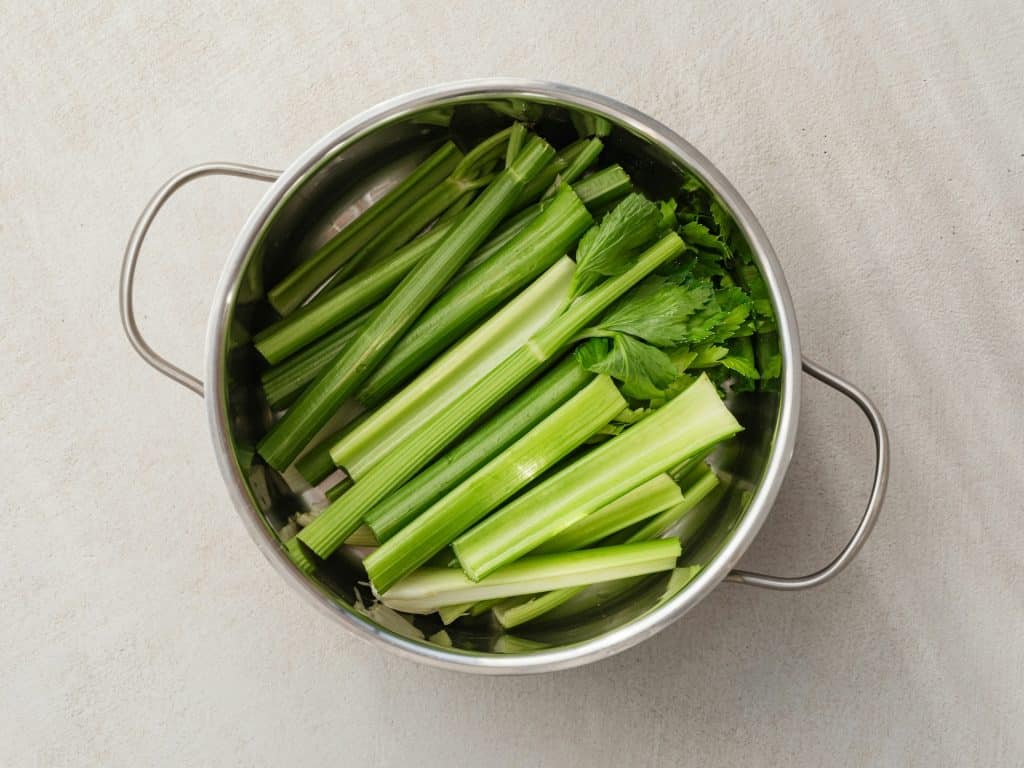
{"x": 608, "y": 248}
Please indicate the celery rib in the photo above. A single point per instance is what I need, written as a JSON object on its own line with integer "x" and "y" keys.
{"x": 698, "y": 484}
{"x": 429, "y": 589}
{"x": 647, "y": 499}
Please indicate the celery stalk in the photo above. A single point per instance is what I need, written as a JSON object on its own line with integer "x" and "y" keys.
{"x": 334, "y": 306}
{"x": 647, "y": 499}
{"x": 684, "y": 426}
{"x": 454, "y": 372}
{"x": 284, "y": 382}
{"x": 429, "y": 589}
{"x": 450, "y": 613}
{"x": 554, "y": 437}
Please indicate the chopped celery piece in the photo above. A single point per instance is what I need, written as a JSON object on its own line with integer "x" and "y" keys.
{"x": 647, "y": 499}
{"x": 428, "y": 589}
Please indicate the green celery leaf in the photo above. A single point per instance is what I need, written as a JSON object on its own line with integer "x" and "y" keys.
{"x": 708, "y": 355}
{"x": 644, "y": 371}
{"x": 591, "y": 352}
{"x": 668, "y": 215}
{"x": 657, "y": 310}
{"x": 735, "y": 306}
{"x": 741, "y": 358}
{"x": 698, "y": 235}
{"x": 607, "y": 249}
{"x": 723, "y": 222}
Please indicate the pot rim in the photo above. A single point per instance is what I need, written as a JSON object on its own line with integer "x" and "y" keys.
{"x": 620, "y": 638}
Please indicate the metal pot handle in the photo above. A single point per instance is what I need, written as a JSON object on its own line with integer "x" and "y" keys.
{"x": 131, "y": 257}
{"x": 872, "y": 511}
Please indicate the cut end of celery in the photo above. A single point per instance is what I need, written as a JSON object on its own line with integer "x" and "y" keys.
{"x": 298, "y": 555}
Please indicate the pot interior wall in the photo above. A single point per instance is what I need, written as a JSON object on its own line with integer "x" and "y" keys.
{"x": 342, "y": 186}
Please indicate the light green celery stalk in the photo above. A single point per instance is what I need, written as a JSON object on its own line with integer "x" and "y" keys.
{"x": 435, "y": 434}
{"x": 299, "y": 284}
{"x": 697, "y": 484}
{"x": 284, "y": 382}
{"x": 454, "y": 372}
{"x": 398, "y": 312}
{"x": 684, "y": 426}
{"x": 647, "y": 499}
{"x": 440, "y": 638}
{"x": 429, "y": 589}
{"x": 449, "y": 613}
{"x": 515, "y": 468}
{"x": 484, "y": 443}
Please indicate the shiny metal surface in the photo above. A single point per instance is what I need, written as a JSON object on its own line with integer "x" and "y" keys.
{"x": 332, "y": 182}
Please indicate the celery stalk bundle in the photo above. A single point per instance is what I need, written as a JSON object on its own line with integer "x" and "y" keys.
{"x": 538, "y": 388}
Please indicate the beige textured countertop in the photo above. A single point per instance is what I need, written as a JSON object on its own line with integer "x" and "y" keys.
{"x": 882, "y": 150}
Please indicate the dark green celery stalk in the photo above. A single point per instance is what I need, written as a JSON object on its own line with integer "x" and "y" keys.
{"x": 335, "y": 491}
{"x": 356, "y": 269}
{"x": 486, "y": 442}
{"x": 583, "y": 160}
{"x": 512, "y": 469}
{"x": 283, "y": 383}
{"x": 537, "y": 186}
{"x": 399, "y": 311}
{"x": 342, "y": 517}
{"x": 301, "y": 282}
{"x": 315, "y": 464}
{"x": 548, "y": 237}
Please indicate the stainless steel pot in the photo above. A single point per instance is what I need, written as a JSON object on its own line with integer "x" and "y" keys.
{"x": 332, "y": 182}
